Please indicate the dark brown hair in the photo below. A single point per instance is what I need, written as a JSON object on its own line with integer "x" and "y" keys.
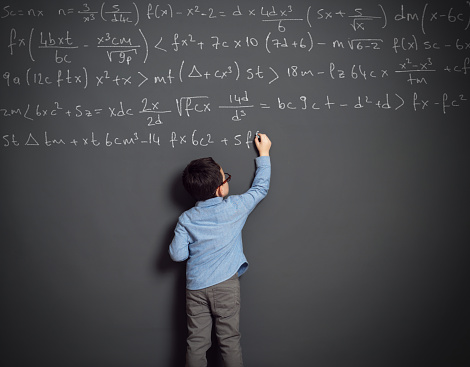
{"x": 201, "y": 178}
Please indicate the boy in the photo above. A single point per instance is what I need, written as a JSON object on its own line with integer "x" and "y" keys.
{"x": 209, "y": 237}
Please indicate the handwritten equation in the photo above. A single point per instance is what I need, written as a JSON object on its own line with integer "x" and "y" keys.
{"x": 109, "y": 139}
{"x": 119, "y": 47}
{"x": 185, "y": 73}
{"x": 357, "y": 18}
{"x": 158, "y": 65}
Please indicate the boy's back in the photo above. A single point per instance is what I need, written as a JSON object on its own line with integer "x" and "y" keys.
{"x": 209, "y": 234}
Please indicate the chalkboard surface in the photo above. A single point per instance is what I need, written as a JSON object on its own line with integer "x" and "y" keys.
{"x": 359, "y": 253}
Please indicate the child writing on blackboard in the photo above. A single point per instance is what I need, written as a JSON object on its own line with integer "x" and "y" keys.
{"x": 209, "y": 237}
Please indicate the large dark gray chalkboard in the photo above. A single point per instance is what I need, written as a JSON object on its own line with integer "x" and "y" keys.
{"x": 358, "y": 255}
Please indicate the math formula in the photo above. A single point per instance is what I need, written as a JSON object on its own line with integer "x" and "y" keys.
{"x": 169, "y": 75}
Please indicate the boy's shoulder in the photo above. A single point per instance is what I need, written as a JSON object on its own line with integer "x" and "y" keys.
{"x": 198, "y": 207}
{"x": 187, "y": 215}
{"x": 204, "y": 207}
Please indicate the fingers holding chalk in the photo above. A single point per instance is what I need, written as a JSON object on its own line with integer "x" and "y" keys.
{"x": 263, "y": 144}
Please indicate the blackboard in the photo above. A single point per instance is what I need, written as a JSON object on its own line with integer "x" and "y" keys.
{"x": 358, "y": 255}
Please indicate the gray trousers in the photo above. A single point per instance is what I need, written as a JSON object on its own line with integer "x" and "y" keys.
{"x": 219, "y": 304}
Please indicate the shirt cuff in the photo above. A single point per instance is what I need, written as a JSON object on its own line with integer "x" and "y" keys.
{"x": 263, "y": 161}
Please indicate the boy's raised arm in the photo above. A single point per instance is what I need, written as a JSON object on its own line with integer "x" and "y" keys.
{"x": 260, "y": 186}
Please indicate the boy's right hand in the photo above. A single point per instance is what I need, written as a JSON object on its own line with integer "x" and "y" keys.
{"x": 263, "y": 144}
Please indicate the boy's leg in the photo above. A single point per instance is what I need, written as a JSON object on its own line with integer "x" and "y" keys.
{"x": 227, "y": 320}
{"x": 199, "y": 328}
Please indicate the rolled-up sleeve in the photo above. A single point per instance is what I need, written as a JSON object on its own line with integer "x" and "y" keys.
{"x": 179, "y": 250}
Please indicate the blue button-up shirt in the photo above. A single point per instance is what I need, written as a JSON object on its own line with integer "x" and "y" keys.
{"x": 209, "y": 235}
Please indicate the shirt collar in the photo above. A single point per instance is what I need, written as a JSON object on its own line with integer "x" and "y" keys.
{"x": 209, "y": 202}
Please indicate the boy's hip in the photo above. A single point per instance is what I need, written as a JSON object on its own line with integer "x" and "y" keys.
{"x": 221, "y": 299}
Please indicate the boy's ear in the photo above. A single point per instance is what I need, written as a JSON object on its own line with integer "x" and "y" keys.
{"x": 220, "y": 191}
